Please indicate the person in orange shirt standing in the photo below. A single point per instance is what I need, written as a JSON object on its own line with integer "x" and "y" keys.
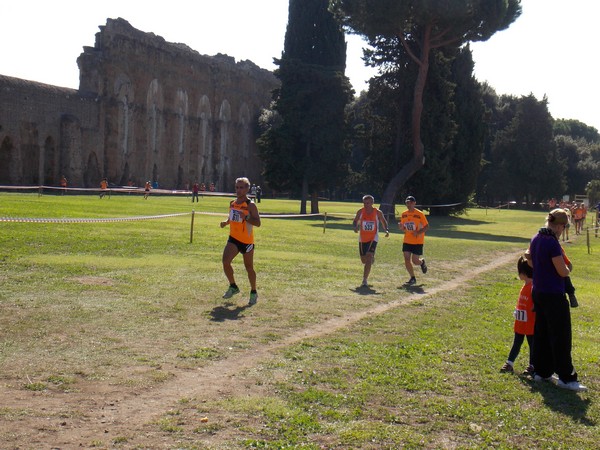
{"x": 243, "y": 217}
{"x": 367, "y": 221}
{"x": 524, "y": 319}
{"x": 414, "y": 224}
{"x": 103, "y": 187}
{"x": 63, "y": 184}
{"x": 577, "y": 212}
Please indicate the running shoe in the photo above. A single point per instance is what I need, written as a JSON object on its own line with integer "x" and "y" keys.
{"x": 364, "y": 284}
{"x": 529, "y": 371}
{"x": 550, "y": 379}
{"x": 231, "y": 292}
{"x": 253, "y": 298}
{"x": 507, "y": 368}
{"x": 424, "y": 266}
{"x": 572, "y": 386}
{"x": 412, "y": 281}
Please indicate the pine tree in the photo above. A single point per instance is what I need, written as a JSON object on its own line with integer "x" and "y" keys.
{"x": 303, "y": 147}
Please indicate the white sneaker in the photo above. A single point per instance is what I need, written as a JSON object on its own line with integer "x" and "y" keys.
{"x": 572, "y": 386}
{"x": 549, "y": 379}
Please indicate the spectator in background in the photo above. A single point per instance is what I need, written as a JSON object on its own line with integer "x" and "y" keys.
{"x": 103, "y": 187}
{"x": 258, "y": 194}
{"x": 195, "y": 191}
{"x": 63, "y": 184}
{"x": 147, "y": 188}
{"x": 552, "y": 332}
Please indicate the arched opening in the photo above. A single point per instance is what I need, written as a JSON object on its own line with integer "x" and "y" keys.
{"x": 51, "y": 175}
{"x": 6, "y": 160}
{"x": 92, "y": 176}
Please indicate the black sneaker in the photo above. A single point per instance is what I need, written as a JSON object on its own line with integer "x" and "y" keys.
{"x": 424, "y": 266}
{"x": 573, "y": 301}
{"x": 412, "y": 281}
{"x": 529, "y": 371}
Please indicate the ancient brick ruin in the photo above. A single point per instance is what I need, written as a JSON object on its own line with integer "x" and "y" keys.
{"x": 146, "y": 109}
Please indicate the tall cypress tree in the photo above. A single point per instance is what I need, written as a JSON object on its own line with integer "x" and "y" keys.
{"x": 304, "y": 142}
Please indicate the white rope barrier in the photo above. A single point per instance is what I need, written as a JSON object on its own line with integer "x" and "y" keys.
{"x": 160, "y": 216}
{"x": 121, "y": 189}
{"x": 86, "y": 220}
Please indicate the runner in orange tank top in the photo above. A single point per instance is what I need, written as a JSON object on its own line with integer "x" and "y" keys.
{"x": 414, "y": 224}
{"x": 243, "y": 217}
{"x": 366, "y": 223}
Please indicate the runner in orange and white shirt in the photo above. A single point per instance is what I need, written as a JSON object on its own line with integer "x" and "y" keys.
{"x": 243, "y": 217}
{"x": 414, "y": 224}
{"x": 366, "y": 223}
{"x": 103, "y": 187}
{"x": 577, "y": 212}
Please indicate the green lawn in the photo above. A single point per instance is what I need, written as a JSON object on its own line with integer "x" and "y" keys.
{"x": 132, "y": 304}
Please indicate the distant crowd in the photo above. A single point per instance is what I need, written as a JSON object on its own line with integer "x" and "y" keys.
{"x": 197, "y": 188}
{"x": 576, "y": 214}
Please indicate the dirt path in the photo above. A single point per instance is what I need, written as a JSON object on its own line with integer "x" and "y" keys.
{"x": 90, "y": 415}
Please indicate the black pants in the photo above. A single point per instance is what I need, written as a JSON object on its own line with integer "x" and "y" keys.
{"x": 516, "y": 347}
{"x": 552, "y": 336}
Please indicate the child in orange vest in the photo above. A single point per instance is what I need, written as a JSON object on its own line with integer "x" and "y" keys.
{"x": 524, "y": 319}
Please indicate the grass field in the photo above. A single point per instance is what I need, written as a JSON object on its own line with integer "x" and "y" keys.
{"x": 112, "y": 313}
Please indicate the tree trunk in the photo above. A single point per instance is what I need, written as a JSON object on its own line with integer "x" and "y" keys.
{"x": 314, "y": 203}
{"x": 418, "y": 159}
{"x": 304, "y": 197}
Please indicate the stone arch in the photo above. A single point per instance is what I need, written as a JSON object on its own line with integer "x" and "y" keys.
{"x": 179, "y": 182}
{"x": 245, "y": 131}
{"x": 181, "y": 111}
{"x": 27, "y": 165}
{"x": 181, "y": 107}
{"x": 154, "y": 175}
{"x": 223, "y": 157}
{"x": 154, "y": 121}
{"x": 92, "y": 174}
{"x": 205, "y": 159}
{"x": 51, "y": 163}
{"x": 70, "y": 148}
{"x": 124, "y": 93}
{"x": 126, "y": 175}
{"x": 7, "y": 158}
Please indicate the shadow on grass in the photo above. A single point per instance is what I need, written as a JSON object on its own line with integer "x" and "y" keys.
{"x": 365, "y": 290}
{"x": 412, "y": 288}
{"x": 442, "y": 227}
{"x": 224, "y": 312}
{"x": 562, "y": 401}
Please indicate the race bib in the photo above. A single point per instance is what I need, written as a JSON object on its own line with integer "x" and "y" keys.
{"x": 520, "y": 315}
{"x": 410, "y": 226}
{"x": 235, "y": 216}
{"x": 368, "y": 225}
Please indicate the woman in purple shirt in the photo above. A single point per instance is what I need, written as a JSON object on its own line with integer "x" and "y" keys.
{"x": 552, "y": 333}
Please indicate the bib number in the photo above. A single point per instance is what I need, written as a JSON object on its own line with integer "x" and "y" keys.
{"x": 235, "y": 216}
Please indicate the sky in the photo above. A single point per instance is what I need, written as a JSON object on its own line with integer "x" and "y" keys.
{"x": 548, "y": 51}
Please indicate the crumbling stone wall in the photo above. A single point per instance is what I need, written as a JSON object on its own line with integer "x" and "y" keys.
{"x": 146, "y": 109}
